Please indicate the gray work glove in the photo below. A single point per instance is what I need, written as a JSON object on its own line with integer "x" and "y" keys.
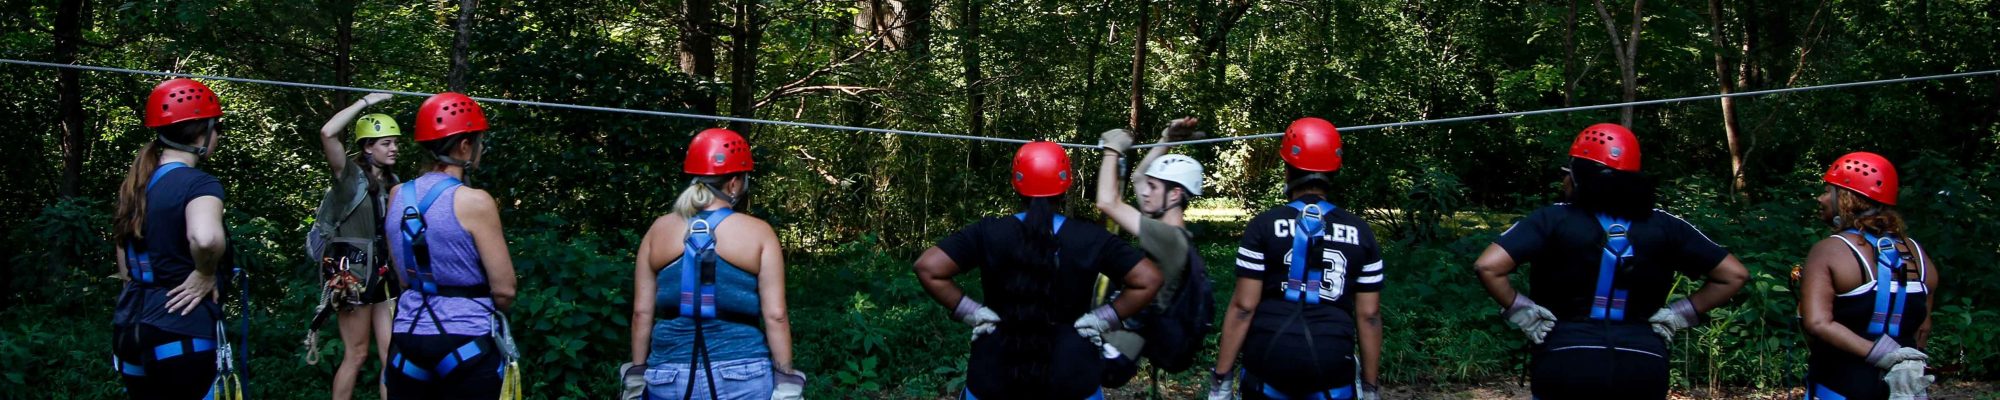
{"x": 1094, "y": 324}
{"x": 789, "y": 385}
{"x": 1181, "y": 130}
{"x": 1675, "y": 317}
{"x": 1531, "y": 319}
{"x": 633, "y": 377}
{"x": 1908, "y": 382}
{"x": 1887, "y": 353}
{"x": 1221, "y": 386}
{"x": 1117, "y": 140}
{"x": 1369, "y": 391}
{"x": 977, "y": 316}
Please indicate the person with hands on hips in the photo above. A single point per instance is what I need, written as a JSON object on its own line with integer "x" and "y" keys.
{"x": 709, "y": 317}
{"x": 1601, "y": 261}
{"x": 1865, "y": 292}
{"x": 1306, "y": 313}
{"x": 170, "y": 242}
{"x": 1164, "y": 185}
{"x": 1039, "y": 339}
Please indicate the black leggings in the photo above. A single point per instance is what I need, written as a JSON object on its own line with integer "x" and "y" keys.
{"x": 478, "y": 377}
{"x": 186, "y": 376}
{"x": 1593, "y": 360}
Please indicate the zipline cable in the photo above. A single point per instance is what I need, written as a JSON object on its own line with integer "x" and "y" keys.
{"x": 1593, "y": 107}
{"x": 540, "y": 104}
{"x": 1007, "y": 140}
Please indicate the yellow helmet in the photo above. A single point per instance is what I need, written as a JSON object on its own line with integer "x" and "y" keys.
{"x": 374, "y": 126}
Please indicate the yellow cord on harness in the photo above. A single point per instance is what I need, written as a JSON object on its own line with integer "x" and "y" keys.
{"x": 510, "y": 385}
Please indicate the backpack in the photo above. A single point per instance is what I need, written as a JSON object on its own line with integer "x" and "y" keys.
{"x": 1175, "y": 335}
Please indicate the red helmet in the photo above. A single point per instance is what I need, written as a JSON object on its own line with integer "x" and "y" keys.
{"x": 1041, "y": 169}
{"x": 180, "y": 99}
{"x": 717, "y": 151}
{"x": 1312, "y": 144}
{"x": 1866, "y": 173}
{"x": 1608, "y": 144}
{"x": 448, "y": 114}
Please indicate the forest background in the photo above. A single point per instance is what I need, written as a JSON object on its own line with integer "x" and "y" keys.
{"x": 853, "y": 209}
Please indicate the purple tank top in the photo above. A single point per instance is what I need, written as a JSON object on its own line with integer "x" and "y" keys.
{"x": 454, "y": 262}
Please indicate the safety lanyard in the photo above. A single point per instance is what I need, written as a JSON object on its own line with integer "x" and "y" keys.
{"x": 140, "y": 262}
{"x": 1888, "y": 317}
{"x": 698, "y": 265}
{"x": 1609, "y": 303}
{"x": 1302, "y": 281}
{"x": 416, "y": 252}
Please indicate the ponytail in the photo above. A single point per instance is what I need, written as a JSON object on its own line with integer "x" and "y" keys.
{"x": 695, "y": 197}
{"x": 130, "y": 220}
{"x": 1026, "y": 348}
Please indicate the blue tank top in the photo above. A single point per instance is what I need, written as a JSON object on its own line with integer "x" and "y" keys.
{"x": 735, "y": 293}
{"x": 454, "y": 262}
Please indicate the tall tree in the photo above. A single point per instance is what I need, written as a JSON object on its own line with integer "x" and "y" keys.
{"x": 1139, "y": 63}
{"x": 1570, "y": 75}
{"x": 748, "y": 31}
{"x": 343, "y": 46}
{"x": 1627, "y": 52}
{"x": 460, "y": 45}
{"x": 697, "y": 48}
{"x": 1730, "y": 129}
{"x": 72, "y": 17}
{"x": 975, "y": 97}
{"x": 917, "y": 17}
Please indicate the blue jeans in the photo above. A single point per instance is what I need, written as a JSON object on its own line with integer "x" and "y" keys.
{"x": 748, "y": 378}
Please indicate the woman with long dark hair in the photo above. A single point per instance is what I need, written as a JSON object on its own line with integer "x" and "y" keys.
{"x": 447, "y": 246}
{"x": 1865, "y": 292}
{"x": 171, "y": 243}
{"x": 1040, "y": 339}
{"x": 357, "y": 255}
{"x": 1602, "y": 261}
{"x": 708, "y": 307}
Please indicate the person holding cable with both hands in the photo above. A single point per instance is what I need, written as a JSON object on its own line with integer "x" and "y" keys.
{"x": 1171, "y": 329}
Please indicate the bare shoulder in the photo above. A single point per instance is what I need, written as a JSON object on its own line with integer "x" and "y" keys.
{"x": 667, "y": 223}
{"x": 750, "y": 224}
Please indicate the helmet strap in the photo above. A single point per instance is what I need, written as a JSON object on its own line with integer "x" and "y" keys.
{"x": 716, "y": 189}
{"x": 200, "y": 152}
{"x": 1296, "y": 183}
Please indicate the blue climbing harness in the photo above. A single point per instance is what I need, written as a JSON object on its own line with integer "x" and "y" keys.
{"x": 1609, "y": 303}
{"x": 1302, "y": 282}
{"x": 139, "y": 263}
{"x": 1339, "y": 393}
{"x": 1888, "y": 317}
{"x": 416, "y": 252}
{"x": 698, "y": 265}
{"x": 164, "y": 352}
{"x": 1058, "y": 222}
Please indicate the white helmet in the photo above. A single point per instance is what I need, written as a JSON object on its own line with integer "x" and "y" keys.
{"x": 1179, "y": 169}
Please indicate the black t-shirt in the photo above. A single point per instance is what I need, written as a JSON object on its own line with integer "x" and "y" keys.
{"x": 172, "y": 260}
{"x": 1565, "y": 244}
{"x": 1348, "y": 257}
{"x": 1085, "y": 250}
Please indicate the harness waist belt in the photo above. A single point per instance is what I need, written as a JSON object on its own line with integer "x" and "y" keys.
{"x": 163, "y": 352}
{"x": 444, "y": 366}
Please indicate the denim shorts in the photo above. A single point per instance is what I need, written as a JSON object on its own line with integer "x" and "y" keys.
{"x": 748, "y": 378}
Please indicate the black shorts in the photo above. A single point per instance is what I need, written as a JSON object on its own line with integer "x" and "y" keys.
{"x": 385, "y": 287}
{"x": 186, "y": 375}
{"x": 1596, "y": 360}
{"x": 414, "y": 372}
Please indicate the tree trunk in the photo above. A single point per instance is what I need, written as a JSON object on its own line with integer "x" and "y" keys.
{"x": 459, "y": 63}
{"x": 697, "y": 48}
{"x": 1139, "y": 64}
{"x": 743, "y": 64}
{"x": 343, "y": 50}
{"x": 1097, "y": 39}
{"x": 1210, "y": 60}
{"x": 1569, "y": 56}
{"x": 71, "y": 16}
{"x": 1730, "y": 128}
{"x": 1627, "y": 52}
{"x": 917, "y": 14}
{"x": 975, "y": 98}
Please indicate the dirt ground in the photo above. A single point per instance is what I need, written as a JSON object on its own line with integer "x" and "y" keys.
{"x": 1510, "y": 391}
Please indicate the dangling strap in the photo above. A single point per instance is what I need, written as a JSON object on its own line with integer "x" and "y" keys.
{"x": 139, "y": 264}
{"x": 1890, "y": 294}
{"x": 698, "y": 261}
{"x": 1609, "y": 303}
{"x": 1302, "y": 282}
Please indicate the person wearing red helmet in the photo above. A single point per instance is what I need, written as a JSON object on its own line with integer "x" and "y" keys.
{"x": 448, "y": 339}
{"x": 170, "y": 239}
{"x": 1864, "y": 292}
{"x": 708, "y": 277}
{"x": 353, "y": 259}
{"x": 1040, "y": 339}
{"x": 1602, "y": 261}
{"x": 1298, "y": 327}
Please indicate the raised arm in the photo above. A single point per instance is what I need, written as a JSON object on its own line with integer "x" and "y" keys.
{"x": 329, "y": 134}
{"x": 1110, "y": 199}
